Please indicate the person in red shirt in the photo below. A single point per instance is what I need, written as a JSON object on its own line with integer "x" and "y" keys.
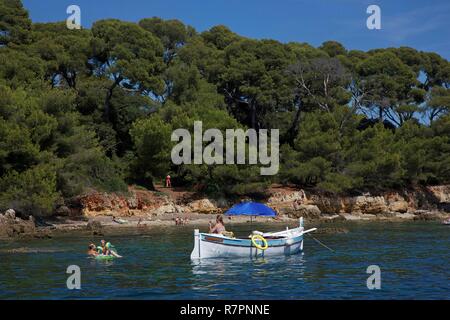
{"x": 168, "y": 183}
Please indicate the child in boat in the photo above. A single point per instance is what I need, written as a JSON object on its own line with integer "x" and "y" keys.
{"x": 219, "y": 227}
{"x": 92, "y": 250}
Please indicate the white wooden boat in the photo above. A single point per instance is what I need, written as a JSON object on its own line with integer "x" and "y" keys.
{"x": 287, "y": 242}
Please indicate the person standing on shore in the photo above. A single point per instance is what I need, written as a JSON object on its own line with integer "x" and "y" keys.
{"x": 168, "y": 183}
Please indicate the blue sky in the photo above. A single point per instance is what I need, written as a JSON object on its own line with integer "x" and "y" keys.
{"x": 424, "y": 25}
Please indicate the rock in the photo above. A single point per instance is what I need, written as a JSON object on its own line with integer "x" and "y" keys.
{"x": 137, "y": 202}
{"x": 286, "y": 201}
{"x": 203, "y": 206}
{"x": 133, "y": 201}
{"x": 396, "y": 202}
{"x": 328, "y": 205}
{"x": 96, "y": 203}
{"x": 441, "y": 193}
{"x": 308, "y": 211}
{"x": 283, "y": 211}
{"x": 427, "y": 217}
{"x": 286, "y": 197}
{"x": 223, "y": 203}
{"x": 167, "y": 208}
{"x": 42, "y": 234}
{"x": 420, "y": 212}
{"x": 398, "y": 206}
{"x": 351, "y": 217}
{"x": 369, "y": 216}
{"x": 63, "y": 211}
{"x": 333, "y": 218}
{"x": 10, "y": 213}
{"x": 97, "y": 233}
{"x": 12, "y": 226}
{"x": 444, "y": 207}
{"x": 94, "y": 225}
{"x": 405, "y": 216}
{"x": 364, "y": 204}
{"x": 368, "y": 205}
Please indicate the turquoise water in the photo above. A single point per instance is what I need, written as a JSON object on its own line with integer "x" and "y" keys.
{"x": 414, "y": 259}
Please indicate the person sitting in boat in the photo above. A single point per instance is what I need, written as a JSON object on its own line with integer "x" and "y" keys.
{"x": 92, "y": 250}
{"x": 219, "y": 227}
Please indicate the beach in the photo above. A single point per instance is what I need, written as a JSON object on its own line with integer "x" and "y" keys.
{"x": 104, "y": 225}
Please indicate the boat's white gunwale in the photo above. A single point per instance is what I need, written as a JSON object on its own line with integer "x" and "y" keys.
{"x": 209, "y": 245}
{"x": 296, "y": 239}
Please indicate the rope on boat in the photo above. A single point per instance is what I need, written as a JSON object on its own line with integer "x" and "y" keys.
{"x": 322, "y": 244}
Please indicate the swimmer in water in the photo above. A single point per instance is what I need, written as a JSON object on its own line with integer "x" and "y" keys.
{"x": 107, "y": 251}
{"x": 92, "y": 250}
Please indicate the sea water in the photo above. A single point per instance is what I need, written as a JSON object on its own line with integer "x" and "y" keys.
{"x": 413, "y": 258}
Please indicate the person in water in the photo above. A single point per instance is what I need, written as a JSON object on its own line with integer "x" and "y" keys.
{"x": 219, "y": 227}
{"x": 105, "y": 249}
{"x": 92, "y": 250}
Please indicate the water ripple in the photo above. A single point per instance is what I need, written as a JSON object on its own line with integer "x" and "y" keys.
{"x": 413, "y": 257}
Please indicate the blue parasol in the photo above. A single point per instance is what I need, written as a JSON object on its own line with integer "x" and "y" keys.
{"x": 251, "y": 209}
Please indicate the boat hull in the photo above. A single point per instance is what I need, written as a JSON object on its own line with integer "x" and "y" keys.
{"x": 213, "y": 245}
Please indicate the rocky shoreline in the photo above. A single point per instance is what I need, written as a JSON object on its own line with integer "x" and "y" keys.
{"x": 96, "y": 213}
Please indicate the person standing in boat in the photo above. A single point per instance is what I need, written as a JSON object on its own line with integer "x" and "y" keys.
{"x": 219, "y": 227}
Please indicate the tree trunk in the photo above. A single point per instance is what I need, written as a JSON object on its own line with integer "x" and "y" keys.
{"x": 293, "y": 130}
{"x": 107, "y": 109}
{"x": 252, "y": 106}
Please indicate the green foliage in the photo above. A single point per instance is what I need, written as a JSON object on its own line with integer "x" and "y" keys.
{"x": 373, "y": 159}
{"x": 31, "y": 191}
{"x": 14, "y": 23}
{"x": 151, "y": 138}
{"x": 90, "y": 169}
{"x": 172, "y": 33}
{"x": 95, "y": 109}
{"x": 318, "y": 153}
{"x": 18, "y": 69}
{"x": 333, "y": 48}
{"x": 128, "y": 53}
{"x": 220, "y": 36}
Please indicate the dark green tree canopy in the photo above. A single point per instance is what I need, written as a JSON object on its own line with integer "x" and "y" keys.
{"x": 15, "y": 24}
{"x": 95, "y": 109}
